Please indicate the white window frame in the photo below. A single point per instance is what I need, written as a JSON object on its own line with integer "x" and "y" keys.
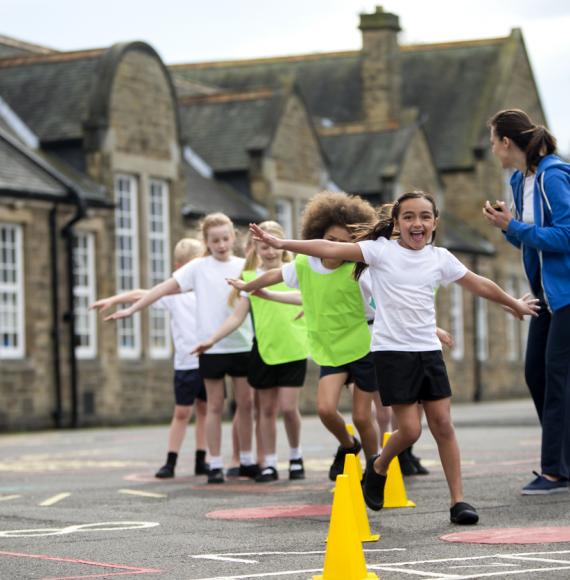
{"x": 284, "y": 214}
{"x": 85, "y": 293}
{"x": 511, "y": 323}
{"x": 159, "y": 268}
{"x": 14, "y": 288}
{"x": 128, "y": 328}
{"x": 482, "y": 329}
{"x": 457, "y": 322}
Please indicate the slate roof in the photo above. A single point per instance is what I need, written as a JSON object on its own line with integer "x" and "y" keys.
{"x": 50, "y": 92}
{"x": 222, "y": 128}
{"x": 209, "y": 195}
{"x": 448, "y": 83}
{"x": 15, "y": 47}
{"x": 358, "y": 161}
{"x": 26, "y": 172}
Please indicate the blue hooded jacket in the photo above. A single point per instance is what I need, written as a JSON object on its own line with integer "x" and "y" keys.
{"x": 546, "y": 243}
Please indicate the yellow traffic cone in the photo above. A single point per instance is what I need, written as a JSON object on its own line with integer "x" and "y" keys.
{"x": 350, "y": 430}
{"x": 351, "y": 469}
{"x": 395, "y": 490}
{"x": 344, "y": 558}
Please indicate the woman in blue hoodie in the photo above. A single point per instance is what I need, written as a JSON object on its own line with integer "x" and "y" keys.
{"x": 540, "y": 227}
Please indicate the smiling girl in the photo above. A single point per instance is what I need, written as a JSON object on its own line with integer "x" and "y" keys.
{"x": 407, "y": 354}
{"x": 230, "y": 356}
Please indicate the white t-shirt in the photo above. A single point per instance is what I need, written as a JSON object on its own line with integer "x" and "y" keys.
{"x": 207, "y": 277}
{"x": 289, "y": 273}
{"x": 403, "y": 286}
{"x": 528, "y": 199}
{"x": 182, "y": 309}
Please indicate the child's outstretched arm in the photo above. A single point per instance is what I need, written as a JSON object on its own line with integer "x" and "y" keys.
{"x": 231, "y": 323}
{"x": 481, "y": 286}
{"x": 165, "y": 288}
{"x": 293, "y": 297}
{"x": 125, "y": 298}
{"x": 268, "y": 278}
{"x": 350, "y": 252}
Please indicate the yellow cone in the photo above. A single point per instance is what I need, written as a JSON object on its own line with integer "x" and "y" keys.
{"x": 358, "y": 505}
{"x": 350, "y": 430}
{"x": 344, "y": 558}
{"x": 395, "y": 490}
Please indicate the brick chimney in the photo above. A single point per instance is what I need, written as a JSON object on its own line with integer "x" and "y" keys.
{"x": 380, "y": 69}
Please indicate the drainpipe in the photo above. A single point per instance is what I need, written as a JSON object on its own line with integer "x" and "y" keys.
{"x": 55, "y": 336}
{"x": 69, "y": 316}
{"x": 478, "y": 384}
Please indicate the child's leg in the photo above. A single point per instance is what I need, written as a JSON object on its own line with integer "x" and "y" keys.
{"x": 408, "y": 432}
{"x": 438, "y": 416}
{"x": 244, "y": 413}
{"x": 268, "y": 405}
{"x": 383, "y": 416}
{"x": 235, "y": 442}
{"x": 362, "y": 417}
{"x": 289, "y": 406}
{"x": 214, "y": 410}
{"x": 259, "y": 449}
{"x": 178, "y": 425}
{"x": 328, "y": 395}
{"x": 201, "y": 410}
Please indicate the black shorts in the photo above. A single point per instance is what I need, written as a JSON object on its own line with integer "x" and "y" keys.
{"x": 411, "y": 377}
{"x": 360, "y": 372}
{"x": 217, "y": 366}
{"x": 188, "y": 386}
{"x": 264, "y": 376}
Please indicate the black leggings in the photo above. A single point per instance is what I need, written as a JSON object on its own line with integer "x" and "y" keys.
{"x": 547, "y": 373}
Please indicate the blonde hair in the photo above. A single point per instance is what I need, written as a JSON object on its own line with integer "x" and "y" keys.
{"x": 252, "y": 261}
{"x": 213, "y": 220}
{"x": 187, "y": 249}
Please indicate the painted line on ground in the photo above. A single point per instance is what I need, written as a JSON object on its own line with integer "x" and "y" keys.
{"x": 142, "y": 493}
{"x": 123, "y": 569}
{"x": 8, "y": 497}
{"x": 54, "y": 499}
{"x": 96, "y": 527}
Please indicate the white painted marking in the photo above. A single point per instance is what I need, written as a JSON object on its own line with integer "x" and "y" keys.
{"x": 225, "y": 559}
{"x": 54, "y": 499}
{"x": 484, "y": 566}
{"x": 527, "y": 559}
{"x": 142, "y": 493}
{"x": 292, "y": 553}
{"x": 388, "y": 568}
{"x": 503, "y": 572}
{"x": 98, "y": 527}
{"x": 8, "y": 497}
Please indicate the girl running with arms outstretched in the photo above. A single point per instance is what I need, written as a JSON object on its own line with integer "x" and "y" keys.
{"x": 407, "y": 354}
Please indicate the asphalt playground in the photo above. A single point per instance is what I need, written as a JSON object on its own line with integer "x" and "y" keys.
{"x": 85, "y": 504}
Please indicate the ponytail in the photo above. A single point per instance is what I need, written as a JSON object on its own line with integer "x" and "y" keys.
{"x": 536, "y": 141}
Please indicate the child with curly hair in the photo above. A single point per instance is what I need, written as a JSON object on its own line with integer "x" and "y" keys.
{"x": 339, "y": 335}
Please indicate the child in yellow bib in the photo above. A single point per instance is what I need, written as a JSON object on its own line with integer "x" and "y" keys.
{"x": 336, "y": 313}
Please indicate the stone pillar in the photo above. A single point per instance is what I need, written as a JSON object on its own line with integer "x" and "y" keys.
{"x": 380, "y": 69}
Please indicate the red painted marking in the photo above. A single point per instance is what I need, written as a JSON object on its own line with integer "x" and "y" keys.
{"x": 511, "y": 536}
{"x": 271, "y": 511}
{"x": 124, "y": 569}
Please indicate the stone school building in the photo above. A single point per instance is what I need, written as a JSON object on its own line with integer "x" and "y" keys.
{"x": 109, "y": 156}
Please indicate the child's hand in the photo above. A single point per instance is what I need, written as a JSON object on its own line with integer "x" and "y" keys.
{"x": 203, "y": 347}
{"x": 260, "y": 236}
{"x": 125, "y": 313}
{"x": 236, "y": 283}
{"x": 445, "y": 337}
{"x": 102, "y": 305}
{"x": 528, "y": 307}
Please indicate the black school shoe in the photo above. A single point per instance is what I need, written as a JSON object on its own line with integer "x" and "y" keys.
{"x": 251, "y": 471}
{"x": 267, "y": 474}
{"x": 216, "y": 476}
{"x": 202, "y": 468}
{"x": 463, "y": 514}
{"x": 337, "y": 466}
{"x": 165, "y": 472}
{"x": 296, "y": 469}
{"x": 373, "y": 486}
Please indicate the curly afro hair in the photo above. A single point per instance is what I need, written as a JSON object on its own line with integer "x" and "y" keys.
{"x": 330, "y": 208}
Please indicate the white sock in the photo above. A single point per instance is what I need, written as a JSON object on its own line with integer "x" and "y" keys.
{"x": 246, "y": 458}
{"x": 216, "y": 462}
{"x": 295, "y": 453}
{"x": 271, "y": 460}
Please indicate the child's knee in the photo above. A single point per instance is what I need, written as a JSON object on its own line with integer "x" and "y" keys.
{"x": 182, "y": 412}
{"x": 325, "y": 410}
{"x": 410, "y": 433}
{"x": 442, "y": 428}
